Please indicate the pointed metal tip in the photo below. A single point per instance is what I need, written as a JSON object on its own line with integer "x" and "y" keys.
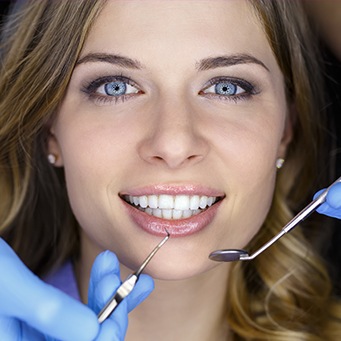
{"x": 152, "y": 254}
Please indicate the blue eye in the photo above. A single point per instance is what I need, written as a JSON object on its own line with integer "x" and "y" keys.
{"x": 232, "y": 88}
{"x": 111, "y": 88}
{"x": 115, "y": 88}
{"x": 226, "y": 88}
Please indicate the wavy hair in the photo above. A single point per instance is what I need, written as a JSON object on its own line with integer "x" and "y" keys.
{"x": 40, "y": 45}
{"x": 284, "y": 294}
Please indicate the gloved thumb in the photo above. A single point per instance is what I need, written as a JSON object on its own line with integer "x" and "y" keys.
{"x": 334, "y": 196}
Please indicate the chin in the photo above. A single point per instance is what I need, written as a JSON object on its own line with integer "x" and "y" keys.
{"x": 180, "y": 269}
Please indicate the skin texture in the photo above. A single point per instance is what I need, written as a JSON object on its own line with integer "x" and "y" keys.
{"x": 174, "y": 130}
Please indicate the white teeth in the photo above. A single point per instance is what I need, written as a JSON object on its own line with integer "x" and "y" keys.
{"x": 171, "y": 206}
{"x": 167, "y": 214}
{"x": 203, "y": 202}
{"x": 187, "y": 214}
{"x": 194, "y": 202}
{"x": 166, "y": 201}
{"x": 181, "y": 202}
{"x": 157, "y": 212}
{"x": 149, "y": 210}
{"x": 153, "y": 201}
{"x": 143, "y": 201}
{"x": 177, "y": 214}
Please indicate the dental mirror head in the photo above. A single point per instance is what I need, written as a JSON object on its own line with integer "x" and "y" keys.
{"x": 231, "y": 255}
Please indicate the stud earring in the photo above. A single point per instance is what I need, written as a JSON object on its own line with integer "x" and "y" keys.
{"x": 279, "y": 163}
{"x": 52, "y": 158}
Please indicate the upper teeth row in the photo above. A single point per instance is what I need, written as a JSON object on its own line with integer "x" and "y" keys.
{"x": 177, "y": 202}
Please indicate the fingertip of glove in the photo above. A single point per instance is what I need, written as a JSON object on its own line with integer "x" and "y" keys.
{"x": 142, "y": 290}
{"x": 104, "y": 263}
{"x": 334, "y": 196}
{"x": 147, "y": 282}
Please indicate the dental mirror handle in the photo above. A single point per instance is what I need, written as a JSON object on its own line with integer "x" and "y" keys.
{"x": 230, "y": 255}
{"x": 293, "y": 222}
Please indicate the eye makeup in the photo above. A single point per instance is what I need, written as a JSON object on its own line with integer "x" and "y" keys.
{"x": 229, "y": 88}
{"x": 111, "y": 89}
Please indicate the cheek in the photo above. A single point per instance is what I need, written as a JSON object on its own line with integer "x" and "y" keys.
{"x": 247, "y": 158}
{"x": 88, "y": 165}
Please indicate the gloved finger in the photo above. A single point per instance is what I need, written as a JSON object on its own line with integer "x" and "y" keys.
{"x": 14, "y": 330}
{"x": 332, "y": 206}
{"x": 104, "y": 283}
{"x": 334, "y": 196}
{"x": 108, "y": 286}
{"x": 25, "y": 297}
{"x": 115, "y": 327}
{"x": 104, "y": 280}
{"x": 143, "y": 288}
{"x": 102, "y": 291}
{"x": 9, "y": 328}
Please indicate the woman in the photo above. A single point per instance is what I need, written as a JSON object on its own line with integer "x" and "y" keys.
{"x": 131, "y": 119}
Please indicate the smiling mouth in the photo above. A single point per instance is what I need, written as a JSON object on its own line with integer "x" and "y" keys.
{"x": 171, "y": 207}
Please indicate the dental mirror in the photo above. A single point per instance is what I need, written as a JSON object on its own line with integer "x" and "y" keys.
{"x": 232, "y": 255}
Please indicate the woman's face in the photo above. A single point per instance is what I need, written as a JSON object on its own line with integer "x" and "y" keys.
{"x": 178, "y": 106}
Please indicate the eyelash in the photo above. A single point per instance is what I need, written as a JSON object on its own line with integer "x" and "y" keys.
{"x": 92, "y": 88}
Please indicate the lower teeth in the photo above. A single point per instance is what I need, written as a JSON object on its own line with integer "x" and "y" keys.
{"x": 171, "y": 213}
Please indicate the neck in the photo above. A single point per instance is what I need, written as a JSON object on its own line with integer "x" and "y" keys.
{"x": 192, "y": 309}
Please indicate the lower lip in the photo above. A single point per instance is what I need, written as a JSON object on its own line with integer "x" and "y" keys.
{"x": 176, "y": 228}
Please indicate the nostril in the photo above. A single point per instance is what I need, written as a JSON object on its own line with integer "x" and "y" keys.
{"x": 173, "y": 147}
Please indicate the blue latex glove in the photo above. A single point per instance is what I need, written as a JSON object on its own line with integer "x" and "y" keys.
{"x": 104, "y": 281}
{"x": 332, "y": 206}
{"x": 26, "y": 300}
{"x": 31, "y": 309}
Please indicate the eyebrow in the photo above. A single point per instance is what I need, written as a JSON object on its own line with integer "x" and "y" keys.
{"x": 229, "y": 60}
{"x": 202, "y": 65}
{"x": 115, "y": 59}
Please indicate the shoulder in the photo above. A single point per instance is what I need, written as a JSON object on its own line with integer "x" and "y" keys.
{"x": 64, "y": 279}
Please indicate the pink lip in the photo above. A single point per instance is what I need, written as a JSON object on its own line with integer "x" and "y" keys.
{"x": 176, "y": 228}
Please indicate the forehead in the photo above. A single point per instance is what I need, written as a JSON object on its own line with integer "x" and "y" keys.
{"x": 149, "y": 29}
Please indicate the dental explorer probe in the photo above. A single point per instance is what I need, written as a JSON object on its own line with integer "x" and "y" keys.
{"x": 128, "y": 285}
{"x": 231, "y": 255}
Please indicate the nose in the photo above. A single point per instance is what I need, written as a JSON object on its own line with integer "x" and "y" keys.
{"x": 175, "y": 137}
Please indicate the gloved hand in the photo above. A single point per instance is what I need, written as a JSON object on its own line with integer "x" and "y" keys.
{"x": 26, "y": 300}
{"x": 332, "y": 206}
{"x": 31, "y": 309}
{"x": 104, "y": 281}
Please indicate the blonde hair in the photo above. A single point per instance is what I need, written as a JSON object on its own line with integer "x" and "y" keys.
{"x": 282, "y": 295}
{"x": 41, "y": 44}
{"x": 286, "y": 293}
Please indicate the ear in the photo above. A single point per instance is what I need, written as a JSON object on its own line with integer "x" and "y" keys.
{"x": 54, "y": 149}
{"x": 287, "y": 132}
